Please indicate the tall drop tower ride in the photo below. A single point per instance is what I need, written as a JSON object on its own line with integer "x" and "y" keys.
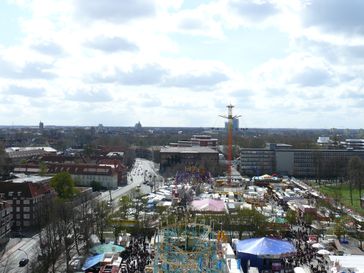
{"x": 230, "y": 119}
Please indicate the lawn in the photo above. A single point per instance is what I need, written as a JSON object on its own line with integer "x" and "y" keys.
{"x": 342, "y": 192}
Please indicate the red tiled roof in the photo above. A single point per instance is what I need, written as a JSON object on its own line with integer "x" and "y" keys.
{"x": 39, "y": 189}
{"x": 27, "y": 189}
{"x": 85, "y": 169}
{"x": 108, "y": 149}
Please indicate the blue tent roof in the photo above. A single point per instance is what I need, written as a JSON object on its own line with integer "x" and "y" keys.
{"x": 91, "y": 261}
{"x": 265, "y": 247}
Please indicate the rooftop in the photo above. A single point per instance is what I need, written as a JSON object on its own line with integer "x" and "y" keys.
{"x": 194, "y": 149}
{"x": 30, "y": 178}
{"x": 19, "y": 149}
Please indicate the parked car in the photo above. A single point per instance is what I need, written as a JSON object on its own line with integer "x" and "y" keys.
{"x": 23, "y": 262}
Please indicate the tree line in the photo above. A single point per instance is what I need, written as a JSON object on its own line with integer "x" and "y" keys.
{"x": 65, "y": 223}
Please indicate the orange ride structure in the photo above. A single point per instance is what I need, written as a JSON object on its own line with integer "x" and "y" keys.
{"x": 230, "y": 119}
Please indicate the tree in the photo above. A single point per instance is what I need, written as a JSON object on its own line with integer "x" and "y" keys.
{"x": 63, "y": 185}
{"x": 42, "y": 168}
{"x": 291, "y": 217}
{"x": 65, "y": 212}
{"x": 96, "y": 186}
{"x": 318, "y": 163}
{"x": 355, "y": 172}
{"x": 4, "y": 162}
{"x": 129, "y": 157}
{"x": 308, "y": 218}
{"x": 139, "y": 204}
{"x": 339, "y": 228}
{"x": 254, "y": 221}
{"x": 101, "y": 212}
{"x": 124, "y": 205}
{"x": 50, "y": 246}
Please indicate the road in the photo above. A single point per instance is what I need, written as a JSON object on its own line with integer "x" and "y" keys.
{"x": 9, "y": 262}
{"x": 142, "y": 170}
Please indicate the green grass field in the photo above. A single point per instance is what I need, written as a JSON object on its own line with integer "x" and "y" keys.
{"x": 342, "y": 192}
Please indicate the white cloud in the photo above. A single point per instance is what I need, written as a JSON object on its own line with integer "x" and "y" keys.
{"x": 133, "y": 58}
{"x": 25, "y": 91}
{"x": 115, "y": 11}
{"x": 112, "y": 44}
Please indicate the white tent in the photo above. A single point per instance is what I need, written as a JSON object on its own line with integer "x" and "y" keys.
{"x": 353, "y": 262}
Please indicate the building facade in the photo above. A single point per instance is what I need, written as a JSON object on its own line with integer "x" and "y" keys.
{"x": 188, "y": 156}
{"x": 85, "y": 174}
{"x": 107, "y": 172}
{"x": 323, "y": 163}
{"x": 5, "y": 222}
{"x": 199, "y": 141}
{"x": 26, "y": 199}
{"x": 27, "y": 152}
{"x": 353, "y": 143}
{"x": 255, "y": 162}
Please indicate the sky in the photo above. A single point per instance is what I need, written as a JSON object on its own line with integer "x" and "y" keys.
{"x": 281, "y": 63}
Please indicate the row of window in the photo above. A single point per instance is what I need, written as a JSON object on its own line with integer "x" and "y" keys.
{"x": 25, "y": 223}
{"x": 4, "y": 230}
{"x": 18, "y": 202}
{"x": 25, "y": 209}
{"x": 25, "y": 216}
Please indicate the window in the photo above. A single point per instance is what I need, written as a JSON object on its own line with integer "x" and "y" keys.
{"x": 26, "y": 216}
{"x": 26, "y": 223}
{"x": 26, "y": 209}
{"x": 18, "y": 216}
{"x": 26, "y": 202}
{"x": 17, "y": 202}
{"x": 17, "y": 209}
{"x": 10, "y": 193}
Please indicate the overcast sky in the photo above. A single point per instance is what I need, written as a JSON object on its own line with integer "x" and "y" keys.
{"x": 282, "y": 63}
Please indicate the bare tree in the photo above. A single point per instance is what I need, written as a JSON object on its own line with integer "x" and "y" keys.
{"x": 354, "y": 170}
{"x": 101, "y": 211}
{"x": 50, "y": 246}
{"x": 64, "y": 224}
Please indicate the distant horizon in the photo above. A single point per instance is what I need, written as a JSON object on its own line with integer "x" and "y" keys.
{"x": 192, "y": 127}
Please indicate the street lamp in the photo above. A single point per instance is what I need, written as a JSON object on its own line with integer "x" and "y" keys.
{"x": 27, "y": 257}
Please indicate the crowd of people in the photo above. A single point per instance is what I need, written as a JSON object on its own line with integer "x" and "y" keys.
{"x": 306, "y": 255}
{"x": 136, "y": 256}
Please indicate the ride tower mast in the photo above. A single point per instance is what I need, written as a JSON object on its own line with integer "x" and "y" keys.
{"x": 230, "y": 119}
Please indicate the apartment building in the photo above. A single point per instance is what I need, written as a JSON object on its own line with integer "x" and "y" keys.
{"x": 5, "y": 222}
{"x": 110, "y": 173}
{"x": 85, "y": 174}
{"x": 26, "y": 200}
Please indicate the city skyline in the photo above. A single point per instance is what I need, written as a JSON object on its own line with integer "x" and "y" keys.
{"x": 282, "y": 63}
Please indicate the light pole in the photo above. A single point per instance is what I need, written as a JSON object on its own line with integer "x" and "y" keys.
{"x": 8, "y": 259}
{"x": 27, "y": 257}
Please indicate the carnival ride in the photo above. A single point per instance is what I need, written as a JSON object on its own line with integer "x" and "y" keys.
{"x": 188, "y": 248}
{"x": 230, "y": 119}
